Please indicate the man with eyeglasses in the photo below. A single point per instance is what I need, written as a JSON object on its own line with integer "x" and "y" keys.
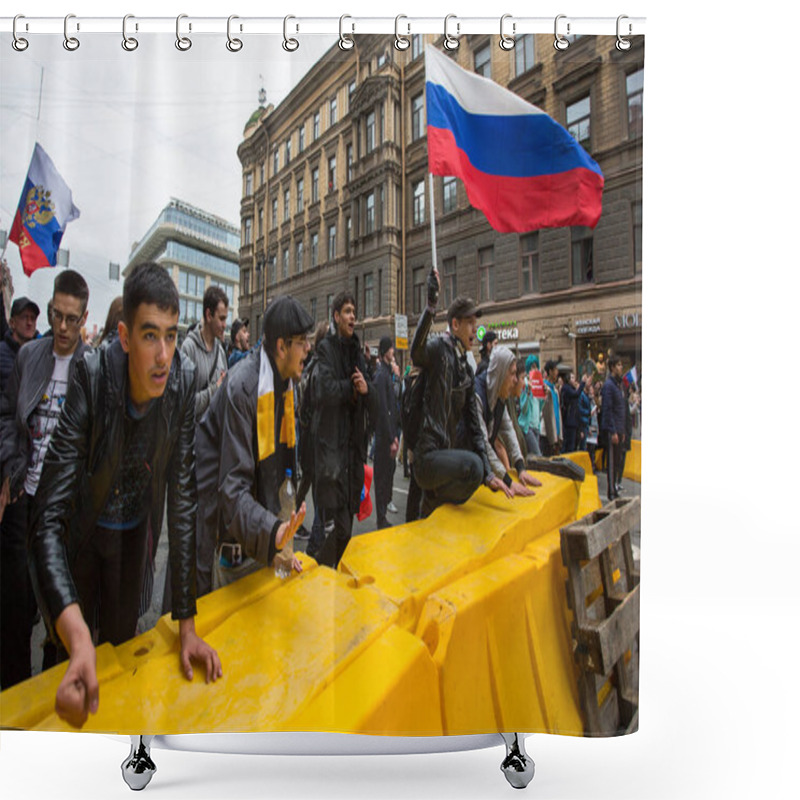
{"x": 245, "y": 445}
{"x": 29, "y": 410}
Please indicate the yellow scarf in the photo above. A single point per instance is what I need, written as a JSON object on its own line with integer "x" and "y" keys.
{"x": 265, "y": 413}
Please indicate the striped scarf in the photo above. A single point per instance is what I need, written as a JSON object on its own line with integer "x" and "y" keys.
{"x": 265, "y": 413}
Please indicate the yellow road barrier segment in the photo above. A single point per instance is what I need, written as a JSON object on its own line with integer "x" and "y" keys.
{"x": 454, "y": 624}
{"x": 505, "y": 658}
{"x": 633, "y": 461}
{"x": 410, "y": 562}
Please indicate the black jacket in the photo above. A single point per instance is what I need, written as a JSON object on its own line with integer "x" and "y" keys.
{"x": 387, "y": 420}
{"x": 9, "y": 347}
{"x": 340, "y": 420}
{"x": 240, "y": 494}
{"x": 30, "y": 374}
{"x": 449, "y": 394}
{"x": 613, "y": 419}
{"x": 80, "y": 469}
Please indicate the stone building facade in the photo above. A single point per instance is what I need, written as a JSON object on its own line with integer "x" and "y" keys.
{"x": 336, "y": 195}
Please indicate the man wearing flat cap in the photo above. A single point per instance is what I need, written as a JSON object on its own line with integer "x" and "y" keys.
{"x": 21, "y": 329}
{"x": 487, "y": 345}
{"x": 387, "y": 430}
{"x": 245, "y": 445}
{"x": 445, "y": 472}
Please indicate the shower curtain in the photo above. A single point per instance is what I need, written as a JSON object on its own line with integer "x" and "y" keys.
{"x": 268, "y": 170}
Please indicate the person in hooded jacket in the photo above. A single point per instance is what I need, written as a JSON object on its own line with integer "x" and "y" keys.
{"x": 343, "y": 397}
{"x": 492, "y": 388}
{"x": 204, "y": 347}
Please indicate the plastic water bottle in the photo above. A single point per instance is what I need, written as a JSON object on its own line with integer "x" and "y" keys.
{"x": 283, "y": 558}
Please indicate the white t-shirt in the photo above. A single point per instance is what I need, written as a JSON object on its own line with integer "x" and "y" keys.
{"x": 44, "y": 419}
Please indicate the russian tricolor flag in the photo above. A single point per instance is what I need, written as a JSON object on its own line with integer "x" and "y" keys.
{"x": 44, "y": 210}
{"x": 518, "y": 165}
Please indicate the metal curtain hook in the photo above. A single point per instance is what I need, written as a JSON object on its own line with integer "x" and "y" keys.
{"x": 560, "y": 43}
{"x": 451, "y": 42}
{"x": 345, "y": 42}
{"x": 507, "y": 42}
{"x": 19, "y": 43}
{"x": 234, "y": 45}
{"x": 182, "y": 42}
{"x": 401, "y": 42}
{"x": 289, "y": 45}
{"x": 70, "y": 42}
{"x": 128, "y": 42}
{"x": 623, "y": 44}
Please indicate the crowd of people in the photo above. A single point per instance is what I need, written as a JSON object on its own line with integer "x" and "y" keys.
{"x": 104, "y": 444}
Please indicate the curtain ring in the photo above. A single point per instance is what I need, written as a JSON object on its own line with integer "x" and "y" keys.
{"x": 507, "y": 42}
{"x": 128, "y": 42}
{"x": 289, "y": 45}
{"x": 70, "y": 42}
{"x": 623, "y": 44}
{"x": 18, "y": 43}
{"x": 560, "y": 43}
{"x": 401, "y": 42}
{"x": 345, "y": 42}
{"x": 234, "y": 45}
{"x": 183, "y": 43}
{"x": 451, "y": 42}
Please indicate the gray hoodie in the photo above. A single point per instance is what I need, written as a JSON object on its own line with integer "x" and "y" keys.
{"x": 210, "y": 366}
{"x": 501, "y": 360}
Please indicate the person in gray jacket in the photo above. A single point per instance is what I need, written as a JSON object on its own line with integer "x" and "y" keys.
{"x": 205, "y": 348}
{"x": 492, "y": 388}
{"x": 29, "y": 410}
{"x": 245, "y": 446}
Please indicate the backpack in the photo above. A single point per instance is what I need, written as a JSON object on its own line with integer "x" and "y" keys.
{"x": 412, "y": 410}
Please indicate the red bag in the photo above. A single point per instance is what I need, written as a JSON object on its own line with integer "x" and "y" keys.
{"x": 365, "y": 509}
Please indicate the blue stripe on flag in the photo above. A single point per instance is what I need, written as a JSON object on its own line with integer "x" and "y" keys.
{"x": 517, "y": 146}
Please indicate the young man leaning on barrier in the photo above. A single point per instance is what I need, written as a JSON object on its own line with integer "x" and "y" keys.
{"x": 446, "y": 472}
{"x": 124, "y": 440}
{"x": 492, "y": 388}
{"x": 245, "y": 444}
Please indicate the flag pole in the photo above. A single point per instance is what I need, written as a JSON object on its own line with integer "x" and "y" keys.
{"x": 434, "y": 265}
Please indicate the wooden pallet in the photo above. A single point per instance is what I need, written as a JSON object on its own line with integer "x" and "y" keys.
{"x": 603, "y": 593}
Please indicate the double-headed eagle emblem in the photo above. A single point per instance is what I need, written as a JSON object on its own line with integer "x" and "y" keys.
{"x": 38, "y": 208}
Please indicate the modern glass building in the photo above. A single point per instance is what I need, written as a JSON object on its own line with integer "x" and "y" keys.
{"x": 199, "y": 250}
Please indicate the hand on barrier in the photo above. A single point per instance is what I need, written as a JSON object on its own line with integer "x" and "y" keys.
{"x": 526, "y": 479}
{"x": 518, "y": 490}
{"x": 497, "y": 485}
{"x": 194, "y": 649}
{"x": 78, "y": 694}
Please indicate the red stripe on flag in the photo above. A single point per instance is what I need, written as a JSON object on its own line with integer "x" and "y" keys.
{"x": 30, "y": 253}
{"x": 519, "y": 204}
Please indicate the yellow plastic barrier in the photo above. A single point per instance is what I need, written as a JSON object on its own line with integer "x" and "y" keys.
{"x": 410, "y": 562}
{"x": 505, "y": 659}
{"x": 633, "y": 461}
{"x": 386, "y": 645}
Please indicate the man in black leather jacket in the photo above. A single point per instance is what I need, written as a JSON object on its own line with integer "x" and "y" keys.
{"x": 125, "y": 439}
{"x": 445, "y": 473}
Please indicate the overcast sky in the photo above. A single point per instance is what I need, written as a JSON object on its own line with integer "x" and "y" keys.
{"x": 127, "y": 131}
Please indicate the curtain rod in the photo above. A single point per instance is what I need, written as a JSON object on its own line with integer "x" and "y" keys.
{"x": 347, "y": 25}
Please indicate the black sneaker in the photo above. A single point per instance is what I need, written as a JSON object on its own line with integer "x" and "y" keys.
{"x": 563, "y": 467}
